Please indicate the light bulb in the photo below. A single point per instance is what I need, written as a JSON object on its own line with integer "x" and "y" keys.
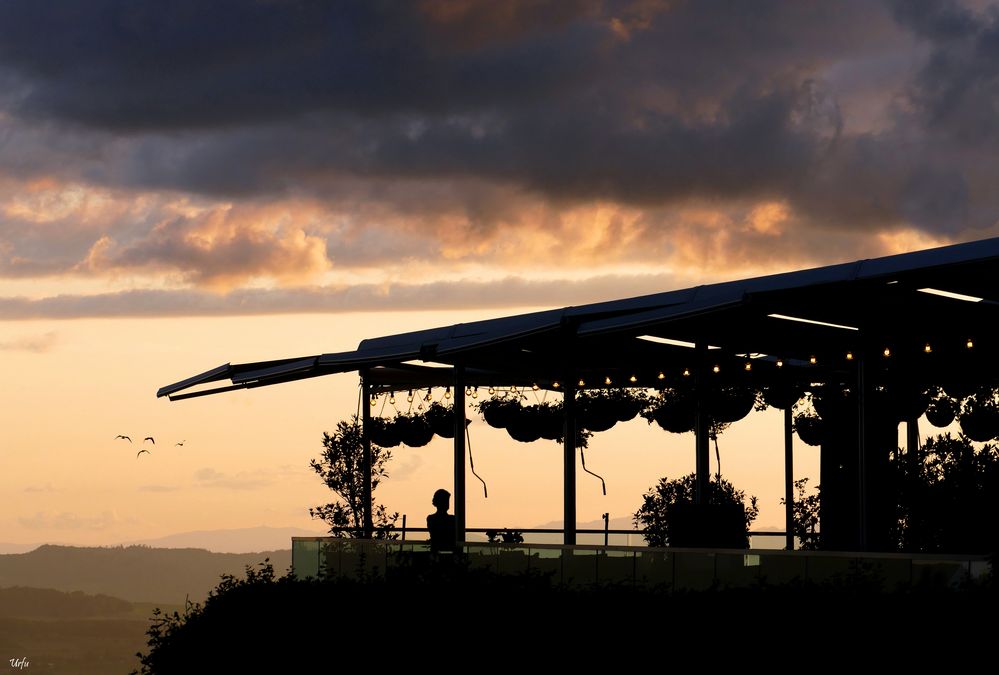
{"x": 716, "y": 369}
{"x": 812, "y": 360}
{"x": 409, "y": 398}
{"x": 970, "y": 344}
{"x": 468, "y": 391}
{"x": 661, "y": 376}
{"x": 492, "y": 390}
{"x": 849, "y": 356}
{"x": 475, "y": 393}
{"x": 632, "y": 379}
{"x": 581, "y": 382}
{"x": 887, "y": 352}
{"x": 749, "y": 366}
{"x": 555, "y": 385}
{"x": 607, "y": 380}
{"x": 928, "y": 349}
{"x": 392, "y": 400}
{"x": 535, "y": 386}
{"x": 686, "y": 372}
{"x": 780, "y": 363}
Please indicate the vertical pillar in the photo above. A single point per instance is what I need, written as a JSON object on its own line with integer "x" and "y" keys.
{"x": 702, "y": 449}
{"x": 569, "y": 463}
{"x": 459, "y": 454}
{"x": 912, "y": 435}
{"x": 862, "y": 449}
{"x": 788, "y": 480}
{"x": 369, "y": 526}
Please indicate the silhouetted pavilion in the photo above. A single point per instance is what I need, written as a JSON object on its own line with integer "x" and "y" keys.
{"x": 880, "y": 327}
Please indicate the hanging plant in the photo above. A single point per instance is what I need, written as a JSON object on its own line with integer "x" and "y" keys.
{"x": 627, "y": 404}
{"x": 414, "y": 430}
{"x": 383, "y": 432}
{"x": 550, "y": 420}
{"x": 809, "y": 428}
{"x": 782, "y": 396}
{"x": 731, "y": 404}
{"x": 440, "y": 419}
{"x": 980, "y": 417}
{"x": 597, "y": 411}
{"x": 834, "y": 403}
{"x": 499, "y": 412}
{"x": 940, "y": 412}
{"x": 674, "y": 410}
{"x": 525, "y": 426}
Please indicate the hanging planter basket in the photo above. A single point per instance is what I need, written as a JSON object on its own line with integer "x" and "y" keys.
{"x": 731, "y": 404}
{"x": 414, "y": 430}
{"x": 551, "y": 421}
{"x": 627, "y": 405}
{"x": 980, "y": 422}
{"x": 440, "y": 419}
{"x": 499, "y": 412}
{"x": 909, "y": 403}
{"x": 383, "y": 432}
{"x": 940, "y": 412}
{"x": 597, "y": 412}
{"x": 782, "y": 396}
{"x": 834, "y": 404}
{"x": 675, "y": 412}
{"x": 525, "y": 426}
{"x": 809, "y": 429}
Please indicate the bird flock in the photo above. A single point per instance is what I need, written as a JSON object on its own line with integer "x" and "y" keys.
{"x": 147, "y": 438}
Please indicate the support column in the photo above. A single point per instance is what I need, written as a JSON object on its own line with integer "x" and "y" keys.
{"x": 862, "y": 449}
{"x": 702, "y": 449}
{"x": 459, "y": 454}
{"x": 369, "y": 526}
{"x": 912, "y": 435}
{"x": 788, "y": 480}
{"x": 569, "y": 462}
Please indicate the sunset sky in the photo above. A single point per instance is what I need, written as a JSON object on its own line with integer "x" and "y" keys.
{"x": 197, "y": 182}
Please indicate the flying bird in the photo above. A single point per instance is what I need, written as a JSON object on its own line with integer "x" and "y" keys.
{"x": 125, "y": 437}
{"x": 142, "y": 451}
{"x": 149, "y": 438}
{"x": 181, "y": 444}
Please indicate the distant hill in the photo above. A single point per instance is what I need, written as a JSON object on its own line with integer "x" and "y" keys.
{"x": 133, "y": 573}
{"x": 242, "y": 540}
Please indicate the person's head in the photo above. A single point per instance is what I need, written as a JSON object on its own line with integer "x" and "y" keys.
{"x": 442, "y": 499}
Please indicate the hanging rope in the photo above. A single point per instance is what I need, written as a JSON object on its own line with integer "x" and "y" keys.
{"x": 471, "y": 462}
{"x": 603, "y": 483}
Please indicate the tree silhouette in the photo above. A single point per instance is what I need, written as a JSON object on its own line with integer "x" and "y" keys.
{"x": 341, "y": 468}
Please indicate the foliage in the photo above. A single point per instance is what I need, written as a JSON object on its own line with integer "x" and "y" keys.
{"x": 652, "y": 515}
{"x": 341, "y": 469}
{"x": 945, "y": 496}
{"x": 805, "y": 515}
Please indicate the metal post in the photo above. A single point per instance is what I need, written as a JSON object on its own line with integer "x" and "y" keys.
{"x": 459, "y": 454}
{"x": 569, "y": 464}
{"x": 912, "y": 435}
{"x": 788, "y": 480}
{"x": 702, "y": 449}
{"x": 369, "y": 525}
{"x": 862, "y": 450}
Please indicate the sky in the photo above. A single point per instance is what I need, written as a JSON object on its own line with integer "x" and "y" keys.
{"x": 192, "y": 183}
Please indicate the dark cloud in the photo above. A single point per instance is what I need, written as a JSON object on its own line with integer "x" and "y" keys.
{"x": 431, "y": 124}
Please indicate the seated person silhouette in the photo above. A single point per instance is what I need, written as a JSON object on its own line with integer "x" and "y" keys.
{"x": 441, "y": 524}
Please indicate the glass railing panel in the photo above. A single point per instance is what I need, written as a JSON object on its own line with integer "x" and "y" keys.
{"x": 546, "y": 561}
{"x": 305, "y": 558}
{"x": 616, "y": 567}
{"x": 737, "y": 570}
{"x": 821, "y": 569}
{"x": 654, "y": 569}
{"x": 513, "y": 560}
{"x": 695, "y": 571}
{"x": 939, "y": 572}
{"x": 782, "y": 569}
{"x": 579, "y": 567}
{"x": 483, "y": 557}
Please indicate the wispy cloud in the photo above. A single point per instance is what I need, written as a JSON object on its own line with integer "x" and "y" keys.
{"x": 242, "y": 480}
{"x": 37, "y": 344}
{"x": 65, "y": 520}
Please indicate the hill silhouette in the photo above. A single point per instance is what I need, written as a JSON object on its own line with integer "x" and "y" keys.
{"x": 133, "y": 573}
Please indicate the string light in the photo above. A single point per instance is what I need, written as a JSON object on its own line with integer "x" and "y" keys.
{"x": 812, "y": 360}
{"x": 475, "y": 393}
{"x": 849, "y": 356}
{"x": 716, "y": 369}
{"x": 887, "y": 352}
{"x": 468, "y": 391}
{"x": 749, "y": 366}
{"x": 661, "y": 376}
{"x": 581, "y": 382}
{"x": 447, "y": 393}
{"x": 409, "y": 398}
{"x": 632, "y": 379}
{"x": 928, "y": 349}
{"x": 555, "y": 385}
{"x": 392, "y": 399}
{"x": 374, "y": 400}
{"x": 780, "y": 363}
{"x": 428, "y": 397}
{"x": 492, "y": 390}
{"x": 535, "y": 386}
{"x": 686, "y": 372}
{"x": 970, "y": 343}
{"x": 607, "y": 380}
